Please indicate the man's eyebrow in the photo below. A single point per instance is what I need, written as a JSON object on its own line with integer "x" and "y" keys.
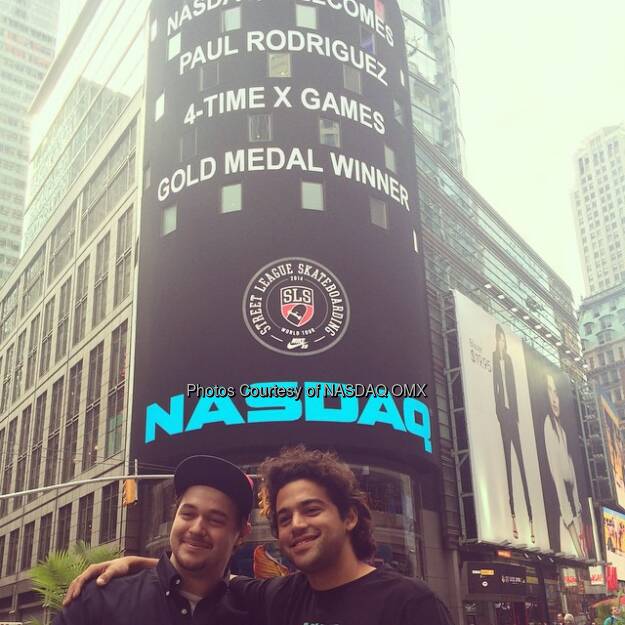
{"x": 305, "y": 502}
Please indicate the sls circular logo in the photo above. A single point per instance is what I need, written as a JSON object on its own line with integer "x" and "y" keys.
{"x": 296, "y": 306}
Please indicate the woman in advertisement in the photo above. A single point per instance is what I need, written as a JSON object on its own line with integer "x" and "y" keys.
{"x": 506, "y": 408}
{"x": 563, "y": 475}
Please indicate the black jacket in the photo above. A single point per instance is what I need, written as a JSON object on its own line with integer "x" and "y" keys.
{"x": 150, "y": 598}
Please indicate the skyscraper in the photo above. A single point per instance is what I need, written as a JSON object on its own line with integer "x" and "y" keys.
{"x": 433, "y": 87}
{"x": 598, "y": 201}
{"x": 27, "y": 31}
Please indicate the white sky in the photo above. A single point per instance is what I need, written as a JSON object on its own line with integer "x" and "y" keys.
{"x": 536, "y": 78}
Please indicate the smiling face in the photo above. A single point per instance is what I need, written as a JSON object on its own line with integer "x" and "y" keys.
{"x": 205, "y": 531}
{"x": 311, "y": 532}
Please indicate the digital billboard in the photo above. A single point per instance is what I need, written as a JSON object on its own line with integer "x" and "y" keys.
{"x": 527, "y": 403}
{"x": 614, "y": 446}
{"x": 281, "y": 294}
{"x": 614, "y": 540}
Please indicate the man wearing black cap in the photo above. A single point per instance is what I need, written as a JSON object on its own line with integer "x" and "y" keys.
{"x": 214, "y": 500}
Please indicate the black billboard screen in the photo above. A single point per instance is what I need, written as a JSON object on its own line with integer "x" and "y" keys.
{"x": 281, "y": 291}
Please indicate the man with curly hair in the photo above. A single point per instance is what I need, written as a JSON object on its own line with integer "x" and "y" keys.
{"x": 323, "y": 525}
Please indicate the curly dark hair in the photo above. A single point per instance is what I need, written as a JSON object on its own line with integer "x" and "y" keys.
{"x": 326, "y": 469}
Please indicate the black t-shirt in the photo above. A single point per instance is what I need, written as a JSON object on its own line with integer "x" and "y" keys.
{"x": 382, "y": 597}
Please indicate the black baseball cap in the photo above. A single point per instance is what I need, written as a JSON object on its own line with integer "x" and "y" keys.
{"x": 218, "y": 473}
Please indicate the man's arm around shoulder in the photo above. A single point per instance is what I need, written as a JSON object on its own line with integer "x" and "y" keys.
{"x": 87, "y": 609}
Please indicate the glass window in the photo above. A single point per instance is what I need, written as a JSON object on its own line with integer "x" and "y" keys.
{"x": 260, "y": 127}
{"x": 108, "y": 513}
{"x": 159, "y": 107}
{"x": 379, "y": 213}
{"x": 398, "y": 110}
{"x": 231, "y": 198}
{"x": 306, "y": 17}
{"x": 279, "y": 65}
{"x": 367, "y": 40}
{"x": 389, "y": 159}
{"x": 329, "y": 132}
{"x": 173, "y": 47}
{"x": 312, "y": 196}
{"x": 230, "y": 19}
{"x": 168, "y": 220}
{"x": 208, "y": 75}
{"x": 379, "y": 9}
{"x": 351, "y": 79}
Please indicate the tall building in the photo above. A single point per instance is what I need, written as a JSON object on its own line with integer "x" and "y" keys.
{"x": 433, "y": 87}
{"x": 27, "y": 31}
{"x": 230, "y": 198}
{"x": 598, "y": 201}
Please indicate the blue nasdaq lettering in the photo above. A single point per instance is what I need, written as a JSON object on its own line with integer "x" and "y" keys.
{"x": 413, "y": 419}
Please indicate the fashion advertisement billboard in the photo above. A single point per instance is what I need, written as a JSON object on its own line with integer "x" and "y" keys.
{"x": 614, "y": 540}
{"x": 614, "y": 446}
{"x": 281, "y": 288}
{"x": 561, "y": 457}
{"x": 504, "y": 465}
{"x": 512, "y": 391}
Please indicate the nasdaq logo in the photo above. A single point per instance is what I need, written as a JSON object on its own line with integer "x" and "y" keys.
{"x": 407, "y": 415}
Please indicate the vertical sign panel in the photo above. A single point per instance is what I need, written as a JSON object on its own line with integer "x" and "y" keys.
{"x": 279, "y": 235}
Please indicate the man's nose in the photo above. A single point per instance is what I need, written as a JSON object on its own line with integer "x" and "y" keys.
{"x": 299, "y": 520}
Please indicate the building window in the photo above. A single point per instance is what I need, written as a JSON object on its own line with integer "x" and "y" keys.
{"x": 85, "y": 518}
{"x": 45, "y": 537}
{"x": 54, "y": 433}
{"x": 7, "y": 477}
{"x": 62, "y": 328}
{"x": 117, "y": 379}
{"x": 123, "y": 256}
{"x": 312, "y": 196}
{"x": 367, "y": 40}
{"x": 108, "y": 514}
{"x": 2, "y": 540}
{"x": 92, "y": 414}
{"x": 101, "y": 280}
{"x": 260, "y": 127}
{"x": 279, "y": 65}
{"x": 415, "y": 242}
{"x": 208, "y": 76}
{"x": 173, "y": 46}
{"x": 6, "y": 381}
{"x": 305, "y": 16}
{"x": 159, "y": 107}
{"x": 19, "y": 366}
{"x": 400, "y": 115}
{"x": 63, "y": 527}
{"x": 22, "y": 455}
{"x": 68, "y": 469}
{"x": 187, "y": 146}
{"x": 33, "y": 281}
{"x": 37, "y": 444}
{"x": 389, "y": 159}
{"x": 168, "y": 220}
{"x": 379, "y": 213}
{"x": 33, "y": 348}
{"x": 379, "y": 9}
{"x": 329, "y": 132}
{"x": 80, "y": 301}
{"x": 8, "y": 314}
{"x": 46, "y": 341}
{"x": 351, "y": 79}
{"x": 231, "y": 198}
{"x": 230, "y": 19}
{"x": 14, "y": 539}
{"x": 27, "y": 546}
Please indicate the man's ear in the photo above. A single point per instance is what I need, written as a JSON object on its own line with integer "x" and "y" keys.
{"x": 246, "y": 528}
{"x": 351, "y": 519}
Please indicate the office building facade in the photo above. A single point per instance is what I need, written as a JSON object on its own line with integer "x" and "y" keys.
{"x": 28, "y": 38}
{"x": 598, "y": 201}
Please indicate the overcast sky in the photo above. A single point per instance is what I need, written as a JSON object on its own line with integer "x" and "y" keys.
{"x": 536, "y": 78}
